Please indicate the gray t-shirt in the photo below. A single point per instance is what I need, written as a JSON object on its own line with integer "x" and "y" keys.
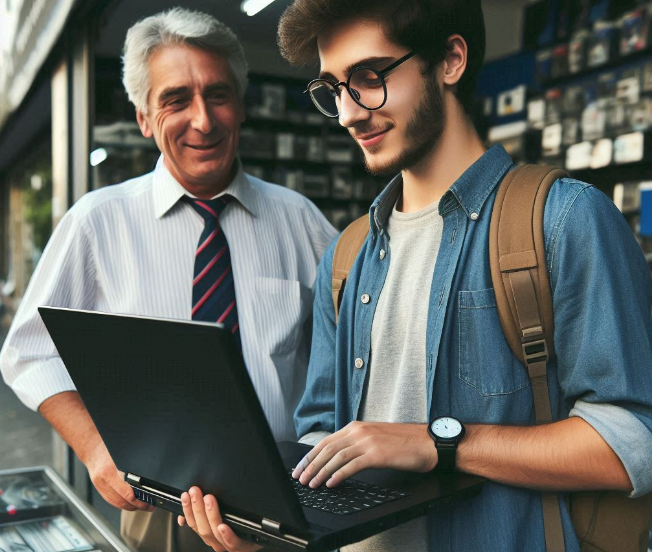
{"x": 395, "y": 388}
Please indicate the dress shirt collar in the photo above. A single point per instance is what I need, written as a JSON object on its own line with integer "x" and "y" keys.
{"x": 470, "y": 191}
{"x": 168, "y": 191}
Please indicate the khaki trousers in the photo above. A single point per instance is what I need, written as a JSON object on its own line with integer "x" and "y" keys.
{"x": 158, "y": 532}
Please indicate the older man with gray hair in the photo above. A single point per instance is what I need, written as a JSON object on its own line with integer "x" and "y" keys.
{"x": 196, "y": 238}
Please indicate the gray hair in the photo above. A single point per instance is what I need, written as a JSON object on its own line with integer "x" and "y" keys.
{"x": 174, "y": 27}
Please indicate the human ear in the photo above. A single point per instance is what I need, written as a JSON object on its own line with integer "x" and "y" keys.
{"x": 455, "y": 59}
{"x": 145, "y": 129}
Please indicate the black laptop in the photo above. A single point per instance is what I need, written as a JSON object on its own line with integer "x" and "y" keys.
{"x": 175, "y": 406}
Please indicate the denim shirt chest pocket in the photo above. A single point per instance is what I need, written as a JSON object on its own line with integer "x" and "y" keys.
{"x": 485, "y": 360}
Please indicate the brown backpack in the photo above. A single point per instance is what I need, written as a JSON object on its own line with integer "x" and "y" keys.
{"x": 604, "y": 521}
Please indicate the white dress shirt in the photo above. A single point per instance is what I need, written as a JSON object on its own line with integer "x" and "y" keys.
{"x": 130, "y": 248}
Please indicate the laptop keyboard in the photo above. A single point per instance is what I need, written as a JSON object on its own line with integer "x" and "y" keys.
{"x": 347, "y": 498}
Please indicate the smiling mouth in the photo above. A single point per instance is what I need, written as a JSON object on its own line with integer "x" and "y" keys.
{"x": 372, "y": 138}
{"x": 204, "y": 147}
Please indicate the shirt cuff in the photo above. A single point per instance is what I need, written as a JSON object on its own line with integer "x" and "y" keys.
{"x": 622, "y": 430}
{"x": 42, "y": 381}
{"x": 313, "y": 438}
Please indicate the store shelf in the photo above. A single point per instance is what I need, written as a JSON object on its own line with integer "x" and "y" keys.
{"x": 286, "y": 141}
{"x": 299, "y": 163}
{"x": 611, "y": 100}
{"x": 617, "y": 63}
{"x": 607, "y": 177}
{"x": 289, "y": 125}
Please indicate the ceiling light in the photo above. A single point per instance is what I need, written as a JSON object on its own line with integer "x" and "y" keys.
{"x": 252, "y": 7}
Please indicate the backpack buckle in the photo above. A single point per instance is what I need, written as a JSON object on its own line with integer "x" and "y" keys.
{"x": 535, "y": 348}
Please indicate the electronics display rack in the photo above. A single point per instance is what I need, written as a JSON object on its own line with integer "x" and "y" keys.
{"x": 41, "y": 513}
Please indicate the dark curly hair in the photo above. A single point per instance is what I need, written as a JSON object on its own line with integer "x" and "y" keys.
{"x": 420, "y": 25}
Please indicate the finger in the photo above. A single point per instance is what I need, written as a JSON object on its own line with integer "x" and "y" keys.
{"x": 112, "y": 496}
{"x": 117, "y": 501}
{"x": 342, "y": 458}
{"x": 349, "y": 469}
{"x": 323, "y": 457}
{"x": 181, "y": 521}
{"x": 233, "y": 543}
{"x": 187, "y": 511}
{"x": 104, "y": 481}
{"x": 302, "y": 465}
{"x": 311, "y": 455}
{"x": 202, "y": 525}
{"x": 305, "y": 461}
{"x": 214, "y": 516}
{"x": 313, "y": 452}
{"x": 127, "y": 493}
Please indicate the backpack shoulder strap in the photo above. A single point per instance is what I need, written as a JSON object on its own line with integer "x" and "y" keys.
{"x": 519, "y": 273}
{"x": 519, "y": 270}
{"x": 347, "y": 249}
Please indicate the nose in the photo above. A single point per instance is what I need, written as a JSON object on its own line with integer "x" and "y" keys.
{"x": 350, "y": 112}
{"x": 202, "y": 118}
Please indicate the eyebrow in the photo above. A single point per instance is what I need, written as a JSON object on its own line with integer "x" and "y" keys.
{"x": 175, "y": 91}
{"x": 168, "y": 93}
{"x": 373, "y": 60}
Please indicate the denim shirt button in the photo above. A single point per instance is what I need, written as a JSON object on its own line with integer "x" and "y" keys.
{"x": 365, "y": 298}
{"x": 474, "y": 216}
{"x": 382, "y": 254}
{"x": 359, "y": 363}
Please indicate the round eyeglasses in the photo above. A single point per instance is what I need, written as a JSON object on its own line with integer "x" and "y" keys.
{"x": 365, "y": 85}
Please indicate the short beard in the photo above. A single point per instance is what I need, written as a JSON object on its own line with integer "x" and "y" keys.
{"x": 422, "y": 133}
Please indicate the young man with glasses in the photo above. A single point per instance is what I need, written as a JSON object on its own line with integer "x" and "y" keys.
{"x": 418, "y": 338}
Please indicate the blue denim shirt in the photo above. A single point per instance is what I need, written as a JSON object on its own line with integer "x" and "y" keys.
{"x": 602, "y": 296}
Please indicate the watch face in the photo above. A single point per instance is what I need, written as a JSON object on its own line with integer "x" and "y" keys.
{"x": 446, "y": 428}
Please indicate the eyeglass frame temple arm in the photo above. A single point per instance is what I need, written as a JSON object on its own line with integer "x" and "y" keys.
{"x": 382, "y": 73}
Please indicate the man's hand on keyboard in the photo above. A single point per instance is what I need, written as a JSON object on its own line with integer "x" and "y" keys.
{"x": 363, "y": 445}
{"x": 202, "y": 515}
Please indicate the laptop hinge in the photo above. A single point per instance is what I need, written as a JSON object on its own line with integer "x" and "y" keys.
{"x": 271, "y": 526}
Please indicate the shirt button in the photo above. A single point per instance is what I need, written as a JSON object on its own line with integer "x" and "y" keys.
{"x": 359, "y": 363}
{"x": 365, "y": 298}
{"x": 382, "y": 254}
{"x": 474, "y": 216}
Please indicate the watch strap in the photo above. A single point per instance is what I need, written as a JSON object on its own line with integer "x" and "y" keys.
{"x": 446, "y": 453}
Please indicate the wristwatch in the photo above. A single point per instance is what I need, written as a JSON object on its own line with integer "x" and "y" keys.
{"x": 447, "y": 432}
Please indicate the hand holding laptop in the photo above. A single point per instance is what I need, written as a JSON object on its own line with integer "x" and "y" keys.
{"x": 110, "y": 483}
{"x": 202, "y": 515}
{"x": 68, "y": 415}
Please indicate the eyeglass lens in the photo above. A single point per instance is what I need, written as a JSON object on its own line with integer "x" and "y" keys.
{"x": 365, "y": 86}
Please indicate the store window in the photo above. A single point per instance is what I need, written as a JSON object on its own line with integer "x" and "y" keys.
{"x": 30, "y": 220}
{"x": 27, "y": 217}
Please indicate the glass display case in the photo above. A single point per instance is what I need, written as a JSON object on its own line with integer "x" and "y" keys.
{"x": 41, "y": 513}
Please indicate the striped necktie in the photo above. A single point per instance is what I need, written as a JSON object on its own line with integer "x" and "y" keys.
{"x": 213, "y": 288}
